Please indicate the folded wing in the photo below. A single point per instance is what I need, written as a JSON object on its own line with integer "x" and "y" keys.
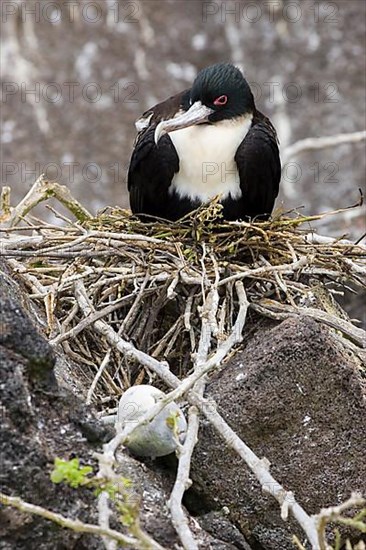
{"x": 259, "y": 167}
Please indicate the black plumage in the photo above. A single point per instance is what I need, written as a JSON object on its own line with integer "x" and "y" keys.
{"x": 164, "y": 178}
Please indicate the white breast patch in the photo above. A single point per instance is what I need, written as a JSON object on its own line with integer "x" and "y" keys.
{"x": 206, "y": 159}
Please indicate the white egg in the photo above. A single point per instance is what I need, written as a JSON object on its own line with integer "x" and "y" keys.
{"x": 159, "y": 437}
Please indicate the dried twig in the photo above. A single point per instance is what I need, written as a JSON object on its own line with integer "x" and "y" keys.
{"x": 282, "y": 311}
{"x": 43, "y": 190}
{"x": 103, "y": 365}
{"x": 182, "y": 481}
{"x": 311, "y": 144}
{"x": 74, "y": 525}
{"x": 106, "y": 462}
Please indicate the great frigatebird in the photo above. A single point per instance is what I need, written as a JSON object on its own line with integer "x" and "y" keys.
{"x": 207, "y": 141}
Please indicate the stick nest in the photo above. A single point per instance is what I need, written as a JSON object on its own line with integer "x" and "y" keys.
{"x": 149, "y": 282}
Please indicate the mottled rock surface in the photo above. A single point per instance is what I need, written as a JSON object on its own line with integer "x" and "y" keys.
{"x": 38, "y": 423}
{"x": 296, "y": 397}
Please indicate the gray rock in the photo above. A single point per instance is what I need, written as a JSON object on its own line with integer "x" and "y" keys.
{"x": 152, "y": 485}
{"x": 298, "y": 399}
{"x": 218, "y": 524}
{"x": 37, "y": 425}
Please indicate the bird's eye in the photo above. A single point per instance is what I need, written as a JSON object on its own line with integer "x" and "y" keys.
{"x": 222, "y": 100}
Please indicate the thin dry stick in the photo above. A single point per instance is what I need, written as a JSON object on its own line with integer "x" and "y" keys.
{"x": 311, "y": 144}
{"x": 182, "y": 481}
{"x": 106, "y": 472}
{"x": 99, "y": 373}
{"x": 262, "y": 271}
{"x": 321, "y": 239}
{"x": 31, "y": 281}
{"x": 85, "y": 323}
{"x": 104, "y": 515}
{"x": 283, "y": 311}
{"x": 107, "y": 462}
{"x": 43, "y": 190}
{"x": 74, "y": 525}
{"x": 135, "y": 307}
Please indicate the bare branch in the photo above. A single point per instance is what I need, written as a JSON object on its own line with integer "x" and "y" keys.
{"x": 103, "y": 365}
{"x": 283, "y": 311}
{"x": 311, "y": 144}
{"x": 183, "y": 482}
{"x": 43, "y": 190}
{"x": 74, "y": 525}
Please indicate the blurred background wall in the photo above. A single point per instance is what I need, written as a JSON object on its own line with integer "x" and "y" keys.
{"x": 77, "y": 73}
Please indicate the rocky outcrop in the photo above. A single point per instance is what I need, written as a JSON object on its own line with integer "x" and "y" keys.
{"x": 296, "y": 397}
{"x": 39, "y": 422}
{"x": 42, "y": 420}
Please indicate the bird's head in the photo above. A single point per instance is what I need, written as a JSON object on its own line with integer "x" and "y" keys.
{"x": 219, "y": 92}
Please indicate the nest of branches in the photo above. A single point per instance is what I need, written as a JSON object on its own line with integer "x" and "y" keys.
{"x": 149, "y": 282}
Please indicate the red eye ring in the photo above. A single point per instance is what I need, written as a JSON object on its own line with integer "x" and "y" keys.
{"x": 220, "y": 101}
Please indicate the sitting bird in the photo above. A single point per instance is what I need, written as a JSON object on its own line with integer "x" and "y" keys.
{"x": 204, "y": 142}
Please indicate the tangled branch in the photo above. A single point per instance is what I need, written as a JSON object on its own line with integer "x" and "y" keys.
{"x": 126, "y": 301}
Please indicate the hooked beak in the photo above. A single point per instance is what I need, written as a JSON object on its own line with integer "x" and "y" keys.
{"x": 197, "y": 114}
